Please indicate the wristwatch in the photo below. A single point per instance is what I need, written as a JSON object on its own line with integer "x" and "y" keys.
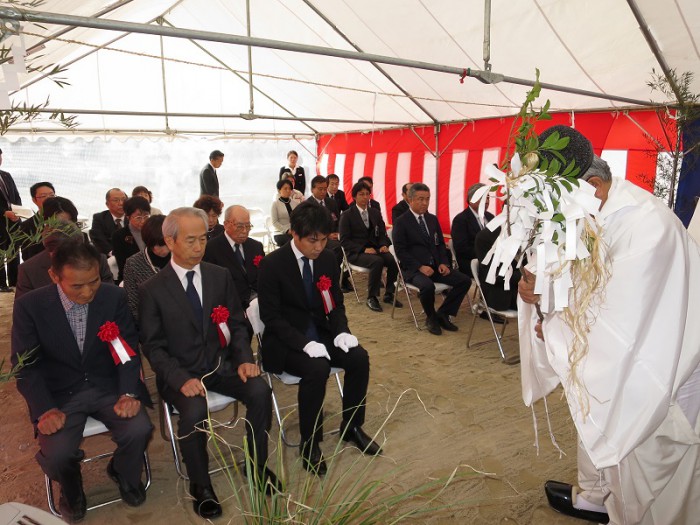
{"x": 130, "y": 395}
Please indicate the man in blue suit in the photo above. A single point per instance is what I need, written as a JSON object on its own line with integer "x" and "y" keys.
{"x": 73, "y": 373}
{"x": 420, "y": 248}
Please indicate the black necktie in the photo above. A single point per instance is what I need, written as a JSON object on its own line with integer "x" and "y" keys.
{"x": 118, "y": 222}
{"x": 423, "y": 227}
{"x": 193, "y": 298}
{"x": 308, "y": 279}
{"x": 238, "y": 255}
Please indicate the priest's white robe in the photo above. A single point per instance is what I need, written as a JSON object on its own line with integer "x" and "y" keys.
{"x": 644, "y": 344}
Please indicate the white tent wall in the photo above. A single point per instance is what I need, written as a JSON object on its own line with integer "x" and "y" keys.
{"x": 83, "y": 170}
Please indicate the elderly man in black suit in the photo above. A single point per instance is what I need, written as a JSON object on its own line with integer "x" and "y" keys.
{"x": 363, "y": 236}
{"x": 194, "y": 335}
{"x": 335, "y": 193}
{"x": 306, "y": 332}
{"x": 401, "y": 207}
{"x": 105, "y": 223}
{"x": 75, "y": 372}
{"x": 238, "y": 253}
{"x": 422, "y": 253}
{"x": 8, "y": 220}
{"x": 208, "y": 179}
{"x": 465, "y": 225}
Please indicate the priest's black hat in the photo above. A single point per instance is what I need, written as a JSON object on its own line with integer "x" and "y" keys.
{"x": 579, "y": 149}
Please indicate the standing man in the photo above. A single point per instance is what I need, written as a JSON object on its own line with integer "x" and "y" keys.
{"x": 238, "y": 253}
{"x": 39, "y": 193}
{"x": 306, "y": 332}
{"x": 363, "y": 236}
{"x": 8, "y": 221}
{"x": 420, "y": 248}
{"x": 71, "y": 374}
{"x": 208, "y": 179}
{"x": 634, "y": 394}
{"x": 180, "y": 312}
{"x": 105, "y": 223}
{"x": 465, "y": 226}
{"x": 336, "y": 194}
{"x": 401, "y": 207}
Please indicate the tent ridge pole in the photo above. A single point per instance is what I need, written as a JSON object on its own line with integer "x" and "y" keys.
{"x": 250, "y": 59}
{"x": 10, "y": 13}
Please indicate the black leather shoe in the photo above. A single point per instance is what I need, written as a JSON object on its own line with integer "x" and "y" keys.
{"x": 205, "y": 503}
{"x": 72, "y": 504}
{"x": 560, "y": 497}
{"x": 312, "y": 459}
{"x": 373, "y": 304}
{"x": 132, "y": 496}
{"x": 497, "y": 319}
{"x": 389, "y": 299}
{"x": 266, "y": 480}
{"x": 357, "y": 436}
{"x": 433, "y": 326}
{"x": 445, "y": 322}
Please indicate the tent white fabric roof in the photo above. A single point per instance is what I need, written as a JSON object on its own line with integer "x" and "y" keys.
{"x": 594, "y": 45}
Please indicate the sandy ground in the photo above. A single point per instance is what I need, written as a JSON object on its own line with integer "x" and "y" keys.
{"x": 442, "y": 406}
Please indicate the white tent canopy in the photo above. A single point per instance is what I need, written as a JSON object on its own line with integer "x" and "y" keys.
{"x": 202, "y": 86}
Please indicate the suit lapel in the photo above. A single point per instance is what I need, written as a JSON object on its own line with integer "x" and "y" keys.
{"x": 295, "y": 280}
{"x": 56, "y": 318}
{"x": 177, "y": 292}
{"x": 95, "y": 316}
{"x": 208, "y": 291}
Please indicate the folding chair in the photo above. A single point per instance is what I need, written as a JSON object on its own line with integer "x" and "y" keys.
{"x": 506, "y": 314}
{"x": 215, "y": 403}
{"x": 13, "y": 513}
{"x": 253, "y": 314}
{"x": 94, "y": 427}
{"x": 408, "y": 287}
{"x": 270, "y": 245}
{"x": 350, "y": 269}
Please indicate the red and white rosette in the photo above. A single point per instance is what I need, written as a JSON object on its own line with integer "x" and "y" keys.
{"x": 120, "y": 349}
{"x": 220, "y": 315}
{"x": 324, "y": 286}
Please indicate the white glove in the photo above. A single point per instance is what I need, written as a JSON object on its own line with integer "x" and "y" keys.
{"x": 314, "y": 349}
{"x": 345, "y": 341}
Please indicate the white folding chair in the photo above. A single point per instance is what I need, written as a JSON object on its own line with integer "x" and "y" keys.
{"x": 94, "y": 427}
{"x": 483, "y": 306}
{"x": 13, "y": 513}
{"x": 408, "y": 287}
{"x": 350, "y": 269}
{"x": 271, "y": 245}
{"x": 253, "y": 314}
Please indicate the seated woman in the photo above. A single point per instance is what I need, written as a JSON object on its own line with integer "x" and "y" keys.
{"x": 213, "y": 207}
{"x": 145, "y": 264}
{"x": 143, "y": 191}
{"x": 296, "y": 195}
{"x": 127, "y": 241}
{"x": 281, "y": 210}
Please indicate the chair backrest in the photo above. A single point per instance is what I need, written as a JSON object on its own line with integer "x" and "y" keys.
{"x": 253, "y": 315}
{"x": 475, "y": 272}
{"x": 454, "y": 254}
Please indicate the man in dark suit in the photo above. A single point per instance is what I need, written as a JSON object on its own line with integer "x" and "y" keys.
{"x": 319, "y": 195}
{"x": 189, "y": 356}
{"x": 465, "y": 225}
{"x": 336, "y": 194}
{"x": 238, "y": 253}
{"x": 298, "y": 287}
{"x": 370, "y": 182}
{"x": 420, "y": 248}
{"x": 363, "y": 236}
{"x": 105, "y": 223}
{"x": 8, "y": 221}
{"x": 401, "y": 207}
{"x": 71, "y": 374}
{"x": 39, "y": 193}
{"x": 34, "y": 273}
{"x": 208, "y": 179}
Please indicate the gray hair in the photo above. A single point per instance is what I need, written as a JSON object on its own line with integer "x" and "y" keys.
{"x": 170, "y": 224}
{"x": 472, "y": 190}
{"x": 599, "y": 168}
{"x": 417, "y": 186}
{"x": 229, "y": 211}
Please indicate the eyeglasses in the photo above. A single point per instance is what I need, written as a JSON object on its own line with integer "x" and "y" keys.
{"x": 242, "y": 226}
{"x": 139, "y": 218}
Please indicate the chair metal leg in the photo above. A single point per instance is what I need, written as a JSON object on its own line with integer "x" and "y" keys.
{"x": 278, "y": 415}
{"x": 173, "y": 441}
{"x": 352, "y": 282}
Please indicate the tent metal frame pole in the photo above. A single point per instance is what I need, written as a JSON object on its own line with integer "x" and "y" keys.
{"x": 170, "y": 132}
{"x": 244, "y": 116}
{"x": 250, "y": 59}
{"x": 11, "y": 13}
{"x": 654, "y": 46}
{"x": 487, "y": 35}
